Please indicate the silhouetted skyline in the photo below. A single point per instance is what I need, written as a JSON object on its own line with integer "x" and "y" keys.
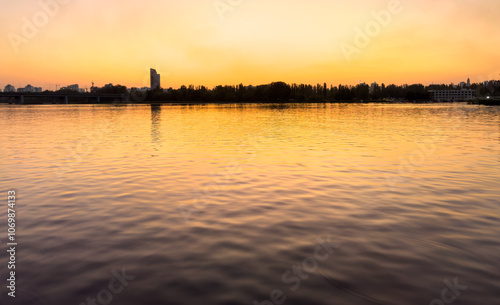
{"x": 252, "y": 42}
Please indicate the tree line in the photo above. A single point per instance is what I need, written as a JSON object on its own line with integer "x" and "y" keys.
{"x": 283, "y": 92}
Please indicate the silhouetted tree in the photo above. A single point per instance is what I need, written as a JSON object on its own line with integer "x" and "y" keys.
{"x": 279, "y": 91}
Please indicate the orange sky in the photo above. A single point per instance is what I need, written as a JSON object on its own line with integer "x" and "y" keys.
{"x": 211, "y": 42}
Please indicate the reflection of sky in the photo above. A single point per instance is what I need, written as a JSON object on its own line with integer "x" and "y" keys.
{"x": 257, "y": 42}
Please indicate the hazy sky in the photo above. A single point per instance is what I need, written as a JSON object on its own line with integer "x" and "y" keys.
{"x": 207, "y": 42}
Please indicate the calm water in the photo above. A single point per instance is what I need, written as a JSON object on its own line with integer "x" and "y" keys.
{"x": 318, "y": 204}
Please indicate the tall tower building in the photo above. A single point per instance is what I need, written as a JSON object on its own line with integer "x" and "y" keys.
{"x": 155, "y": 80}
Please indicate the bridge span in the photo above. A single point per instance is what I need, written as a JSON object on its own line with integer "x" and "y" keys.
{"x": 21, "y": 98}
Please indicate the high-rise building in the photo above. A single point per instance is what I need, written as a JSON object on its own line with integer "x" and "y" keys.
{"x": 468, "y": 82}
{"x": 155, "y": 80}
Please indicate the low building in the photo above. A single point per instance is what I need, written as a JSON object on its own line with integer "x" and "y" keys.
{"x": 29, "y": 88}
{"x": 9, "y": 88}
{"x": 74, "y": 87}
{"x": 452, "y": 95}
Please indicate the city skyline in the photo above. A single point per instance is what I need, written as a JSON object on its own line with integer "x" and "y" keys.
{"x": 254, "y": 42}
{"x": 157, "y": 84}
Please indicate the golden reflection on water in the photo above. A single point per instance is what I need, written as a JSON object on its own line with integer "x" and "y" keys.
{"x": 212, "y": 203}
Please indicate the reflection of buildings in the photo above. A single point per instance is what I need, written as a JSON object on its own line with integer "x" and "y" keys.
{"x": 452, "y": 95}
{"x": 155, "y": 80}
{"x": 155, "y": 124}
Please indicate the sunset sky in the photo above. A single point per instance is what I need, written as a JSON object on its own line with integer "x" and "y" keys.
{"x": 256, "y": 42}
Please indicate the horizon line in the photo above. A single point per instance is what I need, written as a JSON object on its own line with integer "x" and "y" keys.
{"x": 246, "y": 85}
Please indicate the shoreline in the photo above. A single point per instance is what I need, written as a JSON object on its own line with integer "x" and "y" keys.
{"x": 487, "y": 102}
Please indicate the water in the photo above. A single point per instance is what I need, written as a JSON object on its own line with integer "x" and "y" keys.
{"x": 217, "y": 204}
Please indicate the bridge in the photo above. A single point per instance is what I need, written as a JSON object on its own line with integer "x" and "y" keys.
{"x": 60, "y": 98}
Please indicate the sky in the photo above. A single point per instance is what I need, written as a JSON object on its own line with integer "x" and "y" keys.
{"x": 227, "y": 42}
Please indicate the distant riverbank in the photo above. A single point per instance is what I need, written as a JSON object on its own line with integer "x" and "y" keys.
{"x": 492, "y": 101}
{"x": 124, "y": 101}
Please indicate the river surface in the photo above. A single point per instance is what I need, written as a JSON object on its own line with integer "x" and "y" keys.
{"x": 252, "y": 204}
